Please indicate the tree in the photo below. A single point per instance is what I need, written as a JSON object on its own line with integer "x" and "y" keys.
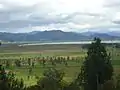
{"x": 29, "y": 61}
{"x": 34, "y": 87}
{"x": 97, "y": 68}
{"x": 8, "y": 63}
{"x": 2, "y": 73}
{"x": 43, "y": 61}
{"x": 52, "y": 80}
{"x": 72, "y": 86}
{"x": 33, "y": 63}
{"x": 8, "y": 81}
{"x": 18, "y": 63}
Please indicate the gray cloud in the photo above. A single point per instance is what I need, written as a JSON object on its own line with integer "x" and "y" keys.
{"x": 117, "y": 22}
{"x": 19, "y": 16}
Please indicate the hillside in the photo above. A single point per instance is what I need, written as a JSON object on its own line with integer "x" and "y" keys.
{"x": 54, "y": 35}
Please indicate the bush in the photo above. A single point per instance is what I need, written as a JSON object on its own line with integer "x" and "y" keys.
{"x": 8, "y": 81}
{"x": 52, "y": 80}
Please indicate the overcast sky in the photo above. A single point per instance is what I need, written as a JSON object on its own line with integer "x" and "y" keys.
{"x": 67, "y": 15}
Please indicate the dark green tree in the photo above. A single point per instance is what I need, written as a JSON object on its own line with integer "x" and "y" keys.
{"x": 33, "y": 63}
{"x": 97, "y": 68}
{"x": 52, "y": 80}
{"x": 2, "y": 73}
{"x": 29, "y": 61}
{"x": 72, "y": 86}
{"x": 43, "y": 61}
{"x": 18, "y": 63}
{"x": 8, "y": 63}
{"x": 8, "y": 81}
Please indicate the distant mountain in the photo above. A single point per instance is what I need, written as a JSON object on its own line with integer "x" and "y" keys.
{"x": 114, "y": 33}
{"x": 104, "y": 36}
{"x": 54, "y": 35}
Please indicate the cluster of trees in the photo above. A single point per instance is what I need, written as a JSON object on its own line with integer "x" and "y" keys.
{"x": 8, "y": 81}
{"x": 41, "y": 60}
{"x": 96, "y": 73}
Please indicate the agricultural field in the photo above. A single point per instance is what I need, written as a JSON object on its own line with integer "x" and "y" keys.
{"x": 38, "y": 58}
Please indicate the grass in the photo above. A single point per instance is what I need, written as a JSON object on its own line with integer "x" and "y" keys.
{"x": 13, "y": 52}
{"x": 70, "y": 73}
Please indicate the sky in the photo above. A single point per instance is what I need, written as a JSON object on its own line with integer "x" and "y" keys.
{"x": 66, "y": 15}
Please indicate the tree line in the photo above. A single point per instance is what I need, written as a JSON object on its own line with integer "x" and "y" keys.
{"x": 54, "y": 60}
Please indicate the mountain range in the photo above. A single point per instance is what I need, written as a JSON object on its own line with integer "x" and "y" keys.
{"x": 57, "y": 35}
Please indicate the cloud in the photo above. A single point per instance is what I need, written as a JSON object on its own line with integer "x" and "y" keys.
{"x": 117, "y": 22}
{"x": 68, "y": 15}
{"x": 112, "y": 3}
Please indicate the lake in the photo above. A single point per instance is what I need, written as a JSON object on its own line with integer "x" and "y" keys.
{"x": 80, "y": 42}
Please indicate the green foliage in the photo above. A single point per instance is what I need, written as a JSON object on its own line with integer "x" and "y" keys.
{"x": 8, "y": 81}
{"x": 54, "y": 74}
{"x": 8, "y": 63}
{"x": 34, "y": 87}
{"x": 72, "y": 86}
{"x": 52, "y": 80}
{"x": 2, "y": 73}
{"x": 97, "y": 68}
{"x": 29, "y": 62}
{"x": 18, "y": 63}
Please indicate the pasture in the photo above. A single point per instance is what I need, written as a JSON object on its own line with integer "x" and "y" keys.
{"x": 72, "y": 54}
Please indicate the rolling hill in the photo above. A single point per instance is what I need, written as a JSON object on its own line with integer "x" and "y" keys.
{"x": 55, "y": 35}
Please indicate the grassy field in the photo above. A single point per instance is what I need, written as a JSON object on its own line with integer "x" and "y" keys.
{"x": 13, "y": 52}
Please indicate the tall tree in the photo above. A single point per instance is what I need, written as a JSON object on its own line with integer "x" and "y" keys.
{"x": 97, "y": 68}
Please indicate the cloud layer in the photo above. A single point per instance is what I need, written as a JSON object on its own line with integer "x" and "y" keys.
{"x": 67, "y": 15}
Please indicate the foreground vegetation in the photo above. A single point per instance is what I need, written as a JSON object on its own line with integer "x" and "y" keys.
{"x": 54, "y": 67}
